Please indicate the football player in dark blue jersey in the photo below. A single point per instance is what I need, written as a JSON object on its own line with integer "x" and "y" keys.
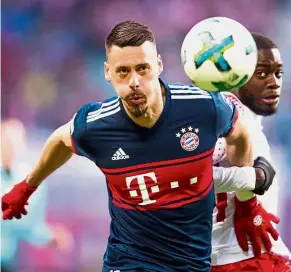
{"x": 154, "y": 143}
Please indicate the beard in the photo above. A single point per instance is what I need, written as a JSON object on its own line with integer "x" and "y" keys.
{"x": 263, "y": 110}
{"x": 138, "y": 110}
{"x": 136, "y": 103}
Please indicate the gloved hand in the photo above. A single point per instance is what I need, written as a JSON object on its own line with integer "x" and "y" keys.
{"x": 13, "y": 203}
{"x": 252, "y": 220}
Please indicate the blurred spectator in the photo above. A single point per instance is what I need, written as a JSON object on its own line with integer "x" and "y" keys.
{"x": 33, "y": 228}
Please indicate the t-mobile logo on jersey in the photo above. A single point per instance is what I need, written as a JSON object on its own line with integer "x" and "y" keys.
{"x": 145, "y": 189}
{"x": 142, "y": 187}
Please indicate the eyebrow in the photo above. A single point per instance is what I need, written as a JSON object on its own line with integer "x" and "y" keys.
{"x": 121, "y": 67}
{"x": 264, "y": 64}
{"x": 143, "y": 64}
{"x": 136, "y": 66}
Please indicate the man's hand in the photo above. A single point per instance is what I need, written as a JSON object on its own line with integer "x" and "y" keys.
{"x": 13, "y": 203}
{"x": 253, "y": 221}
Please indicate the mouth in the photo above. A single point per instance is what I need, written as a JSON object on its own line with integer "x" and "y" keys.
{"x": 271, "y": 99}
{"x": 136, "y": 99}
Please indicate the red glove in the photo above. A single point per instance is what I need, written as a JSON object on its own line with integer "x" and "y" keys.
{"x": 13, "y": 203}
{"x": 252, "y": 220}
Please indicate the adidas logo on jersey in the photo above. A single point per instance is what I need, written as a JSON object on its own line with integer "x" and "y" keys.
{"x": 120, "y": 155}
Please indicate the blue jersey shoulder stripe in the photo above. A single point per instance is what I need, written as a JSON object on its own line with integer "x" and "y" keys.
{"x": 180, "y": 89}
{"x": 108, "y": 107}
{"x": 191, "y": 96}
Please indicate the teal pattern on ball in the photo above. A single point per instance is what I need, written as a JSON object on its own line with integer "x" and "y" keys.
{"x": 213, "y": 50}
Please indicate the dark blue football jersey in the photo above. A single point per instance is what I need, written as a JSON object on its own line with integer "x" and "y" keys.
{"x": 159, "y": 180}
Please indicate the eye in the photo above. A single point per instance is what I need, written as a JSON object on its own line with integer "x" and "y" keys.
{"x": 279, "y": 74}
{"x": 261, "y": 74}
{"x": 142, "y": 69}
{"x": 123, "y": 71}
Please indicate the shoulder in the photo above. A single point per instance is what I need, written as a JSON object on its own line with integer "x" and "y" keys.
{"x": 234, "y": 100}
{"x": 191, "y": 91}
{"x": 190, "y": 102}
{"x": 93, "y": 111}
{"x": 104, "y": 109}
{"x": 88, "y": 122}
{"x": 187, "y": 91}
{"x": 204, "y": 99}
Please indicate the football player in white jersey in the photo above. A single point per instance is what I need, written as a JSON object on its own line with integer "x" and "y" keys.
{"x": 242, "y": 230}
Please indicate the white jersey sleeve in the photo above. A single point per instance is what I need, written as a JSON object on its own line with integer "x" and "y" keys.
{"x": 233, "y": 179}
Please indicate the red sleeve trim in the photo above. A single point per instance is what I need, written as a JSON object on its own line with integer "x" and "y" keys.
{"x": 73, "y": 145}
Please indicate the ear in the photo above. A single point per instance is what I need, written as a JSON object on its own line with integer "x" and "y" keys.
{"x": 160, "y": 64}
{"x": 107, "y": 71}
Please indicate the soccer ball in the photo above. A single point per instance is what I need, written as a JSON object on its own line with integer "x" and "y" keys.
{"x": 219, "y": 54}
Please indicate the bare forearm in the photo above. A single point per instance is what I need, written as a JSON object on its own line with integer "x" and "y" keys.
{"x": 241, "y": 153}
{"x": 55, "y": 153}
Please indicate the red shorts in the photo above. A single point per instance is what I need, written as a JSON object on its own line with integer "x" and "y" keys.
{"x": 268, "y": 262}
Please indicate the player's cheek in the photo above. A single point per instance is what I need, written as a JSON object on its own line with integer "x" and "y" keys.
{"x": 151, "y": 76}
{"x": 121, "y": 89}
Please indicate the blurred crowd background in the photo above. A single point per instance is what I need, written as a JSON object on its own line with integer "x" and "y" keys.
{"x": 52, "y": 63}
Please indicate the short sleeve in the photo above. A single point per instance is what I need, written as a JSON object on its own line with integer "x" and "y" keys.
{"x": 78, "y": 129}
{"x": 226, "y": 114}
{"x": 219, "y": 153}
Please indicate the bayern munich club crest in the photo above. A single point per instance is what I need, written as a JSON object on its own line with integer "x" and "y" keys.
{"x": 189, "y": 140}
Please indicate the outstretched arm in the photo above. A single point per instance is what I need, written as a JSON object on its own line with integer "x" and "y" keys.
{"x": 56, "y": 152}
{"x": 72, "y": 137}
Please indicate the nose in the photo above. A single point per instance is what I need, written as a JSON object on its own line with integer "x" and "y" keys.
{"x": 134, "y": 81}
{"x": 274, "y": 82}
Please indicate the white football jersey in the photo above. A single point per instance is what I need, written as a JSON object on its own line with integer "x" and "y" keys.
{"x": 225, "y": 248}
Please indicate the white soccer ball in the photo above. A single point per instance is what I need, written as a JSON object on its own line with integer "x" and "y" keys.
{"x": 219, "y": 54}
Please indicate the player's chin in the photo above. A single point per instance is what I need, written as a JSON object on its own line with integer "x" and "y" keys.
{"x": 268, "y": 108}
{"x": 138, "y": 110}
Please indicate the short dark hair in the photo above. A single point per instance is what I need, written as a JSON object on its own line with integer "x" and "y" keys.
{"x": 129, "y": 33}
{"x": 263, "y": 42}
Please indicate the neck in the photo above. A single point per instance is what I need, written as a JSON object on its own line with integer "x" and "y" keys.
{"x": 236, "y": 93}
{"x": 154, "y": 110}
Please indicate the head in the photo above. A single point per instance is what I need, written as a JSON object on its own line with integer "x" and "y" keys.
{"x": 133, "y": 66}
{"x": 262, "y": 92}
